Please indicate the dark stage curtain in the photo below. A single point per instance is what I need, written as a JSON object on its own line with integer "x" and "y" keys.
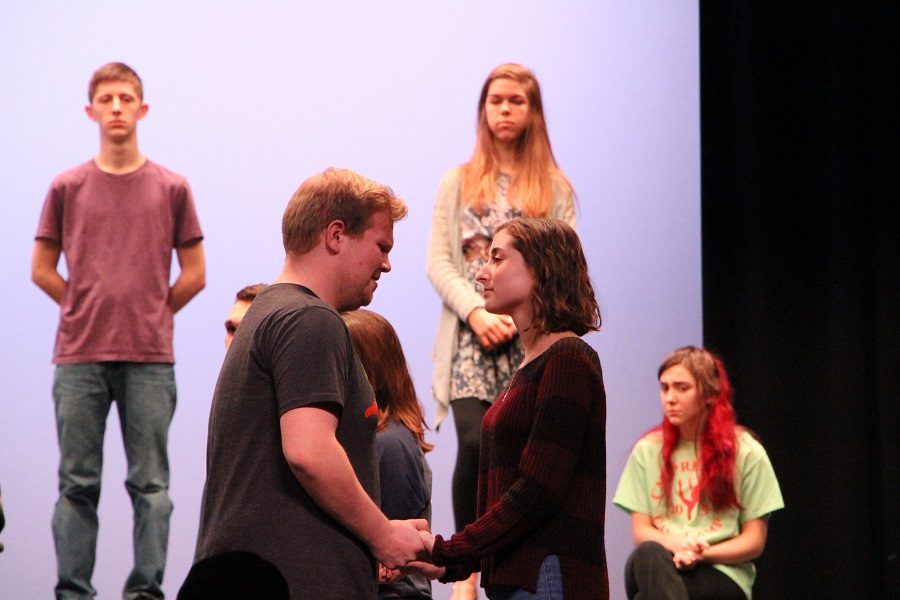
{"x": 801, "y": 275}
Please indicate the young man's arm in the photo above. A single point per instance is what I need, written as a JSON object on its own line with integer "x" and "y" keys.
{"x": 192, "y": 277}
{"x": 44, "y": 273}
{"x": 320, "y": 464}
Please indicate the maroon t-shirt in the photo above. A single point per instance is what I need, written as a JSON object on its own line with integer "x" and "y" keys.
{"x": 117, "y": 234}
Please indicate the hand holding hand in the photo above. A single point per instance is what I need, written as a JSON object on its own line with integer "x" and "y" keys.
{"x": 401, "y": 544}
{"x": 695, "y": 542}
{"x": 685, "y": 560}
{"x": 386, "y": 575}
{"x": 427, "y": 541}
{"x": 690, "y": 551}
{"x": 490, "y": 329}
{"x": 427, "y": 569}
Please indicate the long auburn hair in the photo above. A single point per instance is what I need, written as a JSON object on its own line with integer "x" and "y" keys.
{"x": 379, "y": 350}
{"x": 718, "y": 440}
{"x": 532, "y": 187}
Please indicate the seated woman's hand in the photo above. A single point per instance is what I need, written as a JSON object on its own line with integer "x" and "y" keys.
{"x": 685, "y": 560}
{"x": 696, "y": 543}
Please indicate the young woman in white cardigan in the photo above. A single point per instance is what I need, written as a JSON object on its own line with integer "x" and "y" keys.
{"x": 512, "y": 173}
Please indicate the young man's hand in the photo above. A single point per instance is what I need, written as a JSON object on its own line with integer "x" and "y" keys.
{"x": 401, "y": 544}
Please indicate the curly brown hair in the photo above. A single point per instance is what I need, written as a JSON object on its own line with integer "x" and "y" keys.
{"x": 563, "y": 298}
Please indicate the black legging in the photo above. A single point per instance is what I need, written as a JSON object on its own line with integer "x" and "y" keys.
{"x": 650, "y": 573}
{"x": 467, "y": 415}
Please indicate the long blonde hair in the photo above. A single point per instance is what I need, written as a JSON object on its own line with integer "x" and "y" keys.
{"x": 532, "y": 187}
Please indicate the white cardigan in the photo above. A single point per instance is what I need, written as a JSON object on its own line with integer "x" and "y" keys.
{"x": 446, "y": 269}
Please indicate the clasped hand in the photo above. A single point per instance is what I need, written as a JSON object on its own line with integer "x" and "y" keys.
{"x": 491, "y": 330}
{"x": 420, "y": 564}
{"x": 690, "y": 553}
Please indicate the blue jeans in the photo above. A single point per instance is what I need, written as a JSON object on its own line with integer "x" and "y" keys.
{"x": 144, "y": 394}
{"x": 549, "y": 584}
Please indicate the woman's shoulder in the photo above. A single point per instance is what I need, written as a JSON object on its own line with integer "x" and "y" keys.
{"x": 572, "y": 350}
{"x": 572, "y": 344}
{"x": 452, "y": 176}
{"x": 395, "y": 435}
{"x": 748, "y": 443}
{"x": 568, "y": 352}
{"x": 449, "y": 186}
{"x": 652, "y": 439}
{"x": 561, "y": 186}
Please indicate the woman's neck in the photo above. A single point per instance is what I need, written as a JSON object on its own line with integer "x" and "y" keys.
{"x": 536, "y": 343}
{"x": 507, "y": 159}
{"x": 690, "y": 432}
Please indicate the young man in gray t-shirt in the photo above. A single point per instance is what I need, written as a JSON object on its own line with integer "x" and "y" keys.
{"x": 292, "y": 474}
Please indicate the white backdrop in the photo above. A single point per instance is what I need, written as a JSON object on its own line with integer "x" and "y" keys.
{"x": 247, "y": 100}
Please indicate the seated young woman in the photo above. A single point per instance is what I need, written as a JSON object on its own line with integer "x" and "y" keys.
{"x": 699, "y": 488}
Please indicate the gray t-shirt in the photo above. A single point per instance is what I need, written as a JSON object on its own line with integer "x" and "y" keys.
{"x": 292, "y": 350}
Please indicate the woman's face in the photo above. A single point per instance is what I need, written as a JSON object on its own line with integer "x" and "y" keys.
{"x": 507, "y": 110}
{"x": 681, "y": 402}
{"x": 507, "y": 280}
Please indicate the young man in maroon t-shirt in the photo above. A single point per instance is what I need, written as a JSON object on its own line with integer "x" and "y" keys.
{"x": 116, "y": 218}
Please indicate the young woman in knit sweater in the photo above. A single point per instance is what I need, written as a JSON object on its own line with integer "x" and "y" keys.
{"x": 512, "y": 173}
{"x": 541, "y": 493}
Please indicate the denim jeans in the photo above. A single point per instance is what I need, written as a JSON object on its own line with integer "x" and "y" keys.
{"x": 549, "y": 584}
{"x": 144, "y": 394}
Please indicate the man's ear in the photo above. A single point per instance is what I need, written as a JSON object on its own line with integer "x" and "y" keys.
{"x": 335, "y": 233}
{"x": 89, "y": 111}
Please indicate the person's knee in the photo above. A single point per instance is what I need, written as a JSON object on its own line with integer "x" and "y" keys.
{"x": 469, "y": 444}
{"x": 80, "y": 492}
{"x": 152, "y": 487}
{"x": 467, "y": 416}
{"x": 647, "y": 553}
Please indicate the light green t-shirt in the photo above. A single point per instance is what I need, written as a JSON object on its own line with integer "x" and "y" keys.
{"x": 639, "y": 491}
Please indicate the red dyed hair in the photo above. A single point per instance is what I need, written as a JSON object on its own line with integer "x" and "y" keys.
{"x": 718, "y": 440}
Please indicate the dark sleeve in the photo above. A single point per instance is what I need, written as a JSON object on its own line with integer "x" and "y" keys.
{"x": 569, "y": 394}
{"x": 308, "y": 353}
{"x": 403, "y": 486}
{"x": 460, "y": 570}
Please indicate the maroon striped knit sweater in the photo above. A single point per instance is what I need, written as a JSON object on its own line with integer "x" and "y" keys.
{"x": 542, "y": 479}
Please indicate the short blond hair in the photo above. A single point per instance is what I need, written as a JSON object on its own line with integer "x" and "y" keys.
{"x": 335, "y": 194}
{"x": 115, "y": 71}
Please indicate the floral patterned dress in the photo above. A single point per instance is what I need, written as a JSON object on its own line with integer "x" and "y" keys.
{"x": 476, "y": 372}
